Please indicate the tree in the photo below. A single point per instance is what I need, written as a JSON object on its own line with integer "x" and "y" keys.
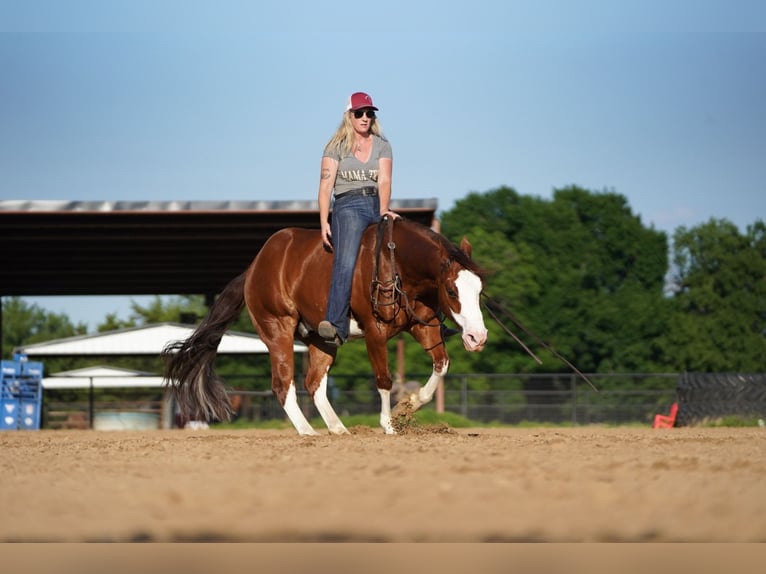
{"x": 25, "y": 324}
{"x": 113, "y": 323}
{"x": 180, "y": 309}
{"x": 580, "y": 271}
{"x": 719, "y": 306}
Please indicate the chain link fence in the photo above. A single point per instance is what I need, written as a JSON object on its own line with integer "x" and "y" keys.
{"x": 500, "y": 398}
{"x": 559, "y": 398}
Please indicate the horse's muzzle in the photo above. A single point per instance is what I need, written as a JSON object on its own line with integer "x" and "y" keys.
{"x": 475, "y": 340}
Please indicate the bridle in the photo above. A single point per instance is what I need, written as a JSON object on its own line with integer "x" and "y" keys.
{"x": 384, "y": 294}
{"x": 387, "y": 295}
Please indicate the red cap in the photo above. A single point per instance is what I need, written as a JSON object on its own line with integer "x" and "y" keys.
{"x": 359, "y": 100}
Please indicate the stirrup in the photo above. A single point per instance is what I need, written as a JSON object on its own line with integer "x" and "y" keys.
{"x": 326, "y": 330}
{"x": 329, "y": 333}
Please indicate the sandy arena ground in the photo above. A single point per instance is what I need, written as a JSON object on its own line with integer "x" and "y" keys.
{"x": 461, "y": 485}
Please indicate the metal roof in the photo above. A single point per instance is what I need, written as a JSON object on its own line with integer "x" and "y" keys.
{"x": 144, "y": 340}
{"x": 145, "y": 248}
{"x": 101, "y": 377}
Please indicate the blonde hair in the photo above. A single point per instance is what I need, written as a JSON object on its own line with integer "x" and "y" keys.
{"x": 343, "y": 139}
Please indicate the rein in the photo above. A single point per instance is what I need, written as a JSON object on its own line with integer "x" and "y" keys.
{"x": 385, "y": 295}
{"x": 489, "y": 304}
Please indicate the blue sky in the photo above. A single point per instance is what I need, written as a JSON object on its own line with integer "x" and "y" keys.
{"x": 663, "y": 102}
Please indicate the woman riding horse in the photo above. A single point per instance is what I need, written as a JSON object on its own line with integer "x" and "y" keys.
{"x": 408, "y": 285}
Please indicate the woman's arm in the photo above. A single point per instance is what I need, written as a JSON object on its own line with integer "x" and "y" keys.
{"x": 328, "y": 172}
{"x": 385, "y": 170}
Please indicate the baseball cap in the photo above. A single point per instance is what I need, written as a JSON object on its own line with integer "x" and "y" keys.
{"x": 359, "y": 100}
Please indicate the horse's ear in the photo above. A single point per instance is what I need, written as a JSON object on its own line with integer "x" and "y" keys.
{"x": 465, "y": 246}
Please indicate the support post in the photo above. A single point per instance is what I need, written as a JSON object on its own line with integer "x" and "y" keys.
{"x": 440, "y": 397}
{"x": 400, "y": 359}
{"x": 91, "y": 407}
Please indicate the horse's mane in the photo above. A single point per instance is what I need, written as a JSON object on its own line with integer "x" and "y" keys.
{"x": 453, "y": 251}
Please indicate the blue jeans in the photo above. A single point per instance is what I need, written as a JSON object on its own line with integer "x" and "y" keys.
{"x": 350, "y": 217}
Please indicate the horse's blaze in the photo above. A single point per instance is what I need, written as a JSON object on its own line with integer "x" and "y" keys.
{"x": 469, "y": 318}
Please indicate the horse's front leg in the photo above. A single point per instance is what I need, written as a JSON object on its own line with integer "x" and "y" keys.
{"x": 430, "y": 338}
{"x": 377, "y": 351}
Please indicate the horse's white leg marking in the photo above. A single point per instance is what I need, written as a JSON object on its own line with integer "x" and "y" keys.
{"x": 295, "y": 414}
{"x": 470, "y": 319}
{"x": 385, "y": 411}
{"x": 426, "y": 392}
{"x": 334, "y": 424}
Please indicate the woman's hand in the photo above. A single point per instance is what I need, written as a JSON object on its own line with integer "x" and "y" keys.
{"x": 327, "y": 235}
{"x": 391, "y": 214}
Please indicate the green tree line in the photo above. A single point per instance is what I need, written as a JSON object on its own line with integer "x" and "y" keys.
{"x": 580, "y": 271}
{"x": 610, "y": 294}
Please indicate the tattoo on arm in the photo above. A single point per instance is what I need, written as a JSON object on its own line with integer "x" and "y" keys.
{"x": 325, "y": 174}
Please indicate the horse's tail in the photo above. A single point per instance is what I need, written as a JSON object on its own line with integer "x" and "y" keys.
{"x": 189, "y": 372}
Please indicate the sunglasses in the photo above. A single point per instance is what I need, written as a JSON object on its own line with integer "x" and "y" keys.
{"x": 369, "y": 113}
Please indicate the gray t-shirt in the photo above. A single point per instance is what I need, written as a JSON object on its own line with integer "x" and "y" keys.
{"x": 352, "y": 173}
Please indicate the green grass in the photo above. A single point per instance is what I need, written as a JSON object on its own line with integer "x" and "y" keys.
{"x": 732, "y": 421}
{"x": 454, "y": 420}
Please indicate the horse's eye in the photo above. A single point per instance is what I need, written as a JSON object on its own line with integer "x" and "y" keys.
{"x": 451, "y": 293}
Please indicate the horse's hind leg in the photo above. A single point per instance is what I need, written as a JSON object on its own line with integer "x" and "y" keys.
{"x": 316, "y": 384}
{"x": 294, "y": 413}
{"x": 283, "y": 382}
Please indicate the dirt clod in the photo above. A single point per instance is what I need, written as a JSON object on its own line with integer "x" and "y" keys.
{"x": 404, "y": 422}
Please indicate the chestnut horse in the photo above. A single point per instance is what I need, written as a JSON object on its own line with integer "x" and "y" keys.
{"x": 407, "y": 278}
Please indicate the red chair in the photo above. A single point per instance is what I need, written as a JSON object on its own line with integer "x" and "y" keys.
{"x": 666, "y": 421}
